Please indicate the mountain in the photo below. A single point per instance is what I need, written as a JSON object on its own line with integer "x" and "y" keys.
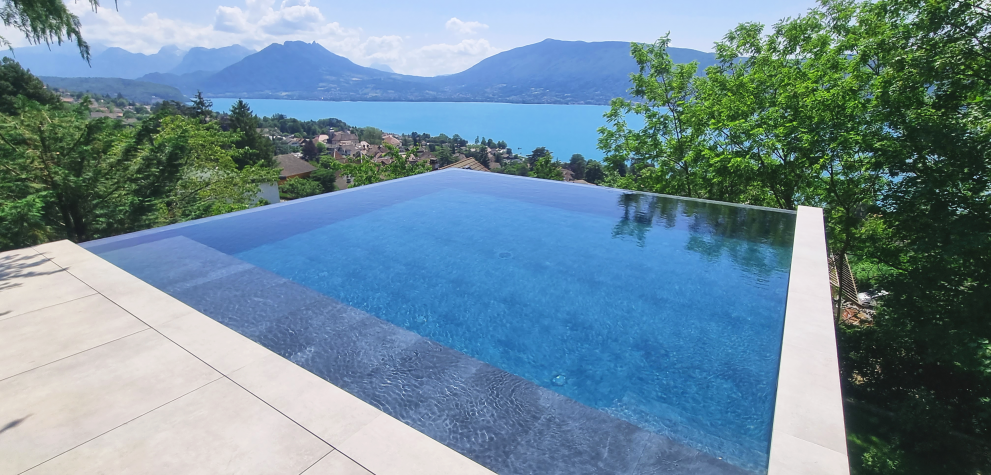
{"x": 138, "y": 91}
{"x": 554, "y": 71}
{"x": 549, "y": 72}
{"x": 303, "y": 70}
{"x": 64, "y": 60}
{"x": 207, "y": 59}
{"x": 381, "y": 67}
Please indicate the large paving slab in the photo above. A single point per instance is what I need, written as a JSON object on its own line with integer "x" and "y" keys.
{"x": 219, "y": 428}
{"x": 37, "y": 338}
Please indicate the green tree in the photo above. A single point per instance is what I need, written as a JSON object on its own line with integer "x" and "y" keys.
{"x": 577, "y": 166}
{"x": 326, "y": 177}
{"x": 546, "y": 169}
{"x": 537, "y": 153}
{"x": 444, "y": 156}
{"x": 363, "y": 171}
{"x": 65, "y": 176}
{"x": 297, "y": 187}
{"x": 310, "y": 150}
{"x": 593, "y": 171}
{"x": 257, "y": 148}
{"x": 202, "y": 107}
{"x": 16, "y": 81}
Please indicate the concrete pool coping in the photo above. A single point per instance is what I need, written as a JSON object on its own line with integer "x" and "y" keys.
{"x": 808, "y": 436}
{"x": 221, "y": 371}
{"x": 102, "y": 373}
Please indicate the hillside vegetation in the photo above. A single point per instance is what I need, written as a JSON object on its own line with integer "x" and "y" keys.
{"x": 137, "y": 91}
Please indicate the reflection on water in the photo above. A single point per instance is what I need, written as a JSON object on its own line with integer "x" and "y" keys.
{"x": 756, "y": 240}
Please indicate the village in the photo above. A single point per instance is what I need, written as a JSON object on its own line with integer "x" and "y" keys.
{"x": 440, "y": 152}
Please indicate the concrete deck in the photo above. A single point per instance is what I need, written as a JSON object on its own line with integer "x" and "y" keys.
{"x": 809, "y": 436}
{"x": 102, "y": 373}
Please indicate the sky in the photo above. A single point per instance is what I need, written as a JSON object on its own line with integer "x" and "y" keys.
{"x": 426, "y": 37}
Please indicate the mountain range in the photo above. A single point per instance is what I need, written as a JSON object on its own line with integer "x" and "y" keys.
{"x": 548, "y": 72}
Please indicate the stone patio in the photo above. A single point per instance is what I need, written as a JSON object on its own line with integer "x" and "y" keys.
{"x": 102, "y": 373}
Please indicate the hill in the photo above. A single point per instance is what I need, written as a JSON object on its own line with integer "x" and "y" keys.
{"x": 138, "y": 91}
{"x": 64, "y": 60}
{"x": 549, "y": 72}
{"x": 553, "y": 71}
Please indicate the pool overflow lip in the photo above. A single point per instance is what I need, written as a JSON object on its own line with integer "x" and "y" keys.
{"x": 808, "y": 435}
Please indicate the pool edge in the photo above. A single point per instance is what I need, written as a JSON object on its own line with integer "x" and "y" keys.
{"x": 808, "y": 435}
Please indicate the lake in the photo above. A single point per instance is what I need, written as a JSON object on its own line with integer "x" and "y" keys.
{"x": 563, "y": 129}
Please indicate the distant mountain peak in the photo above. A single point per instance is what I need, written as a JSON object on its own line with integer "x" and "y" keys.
{"x": 171, "y": 49}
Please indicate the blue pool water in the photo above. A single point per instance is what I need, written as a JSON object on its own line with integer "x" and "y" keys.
{"x": 656, "y": 318}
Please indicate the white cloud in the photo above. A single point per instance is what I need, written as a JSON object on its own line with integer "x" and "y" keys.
{"x": 258, "y": 23}
{"x": 465, "y": 27}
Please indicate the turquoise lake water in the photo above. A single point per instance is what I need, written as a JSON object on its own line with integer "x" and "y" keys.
{"x": 563, "y": 129}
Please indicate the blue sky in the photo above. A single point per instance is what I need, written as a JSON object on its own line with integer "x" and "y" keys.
{"x": 422, "y": 37}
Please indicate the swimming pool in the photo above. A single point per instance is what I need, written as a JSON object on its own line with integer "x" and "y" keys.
{"x": 534, "y": 326}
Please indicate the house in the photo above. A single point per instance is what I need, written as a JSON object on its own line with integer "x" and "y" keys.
{"x": 323, "y": 138}
{"x": 391, "y": 140}
{"x": 292, "y": 167}
{"x": 467, "y": 164}
{"x": 343, "y": 138}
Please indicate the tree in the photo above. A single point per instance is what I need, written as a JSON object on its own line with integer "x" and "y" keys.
{"x": 593, "y": 172}
{"x": 363, "y": 171}
{"x": 44, "y": 21}
{"x": 536, "y": 155}
{"x": 202, "y": 107}
{"x": 444, "y": 156}
{"x": 577, "y": 166}
{"x": 16, "y": 81}
{"x": 297, "y": 187}
{"x": 544, "y": 168}
{"x": 310, "y": 151}
{"x": 64, "y": 176}
{"x": 258, "y": 149}
{"x": 326, "y": 177}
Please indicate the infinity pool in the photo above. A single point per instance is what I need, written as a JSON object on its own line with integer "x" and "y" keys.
{"x": 534, "y": 326}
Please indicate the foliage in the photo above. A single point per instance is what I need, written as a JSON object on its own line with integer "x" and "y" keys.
{"x": 14, "y": 81}
{"x": 65, "y": 176}
{"x": 308, "y": 128}
{"x": 544, "y": 168}
{"x": 444, "y": 156}
{"x": 139, "y": 91}
{"x": 326, "y": 177}
{"x": 202, "y": 107}
{"x": 515, "y": 167}
{"x": 364, "y": 171}
{"x": 593, "y": 171}
{"x": 577, "y": 166}
{"x": 369, "y": 134}
{"x": 296, "y": 187}
{"x": 258, "y": 149}
{"x": 310, "y": 150}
